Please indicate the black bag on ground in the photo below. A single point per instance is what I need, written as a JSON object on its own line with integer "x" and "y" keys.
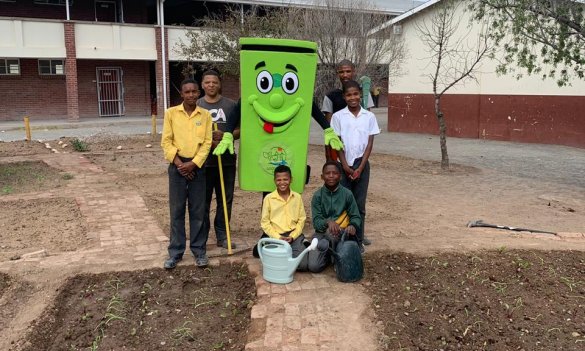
{"x": 348, "y": 265}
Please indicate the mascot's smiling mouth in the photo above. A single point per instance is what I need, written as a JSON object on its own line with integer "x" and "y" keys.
{"x": 267, "y": 118}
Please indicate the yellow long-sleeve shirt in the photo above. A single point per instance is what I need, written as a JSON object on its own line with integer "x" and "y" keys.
{"x": 186, "y": 136}
{"x": 280, "y": 216}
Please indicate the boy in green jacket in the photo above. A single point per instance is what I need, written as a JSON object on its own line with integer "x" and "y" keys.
{"x": 334, "y": 212}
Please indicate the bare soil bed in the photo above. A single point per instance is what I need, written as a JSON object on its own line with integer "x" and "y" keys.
{"x": 22, "y": 148}
{"x": 186, "y": 309}
{"x": 53, "y": 225}
{"x": 496, "y": 300}
{"x": 29, "y": 176}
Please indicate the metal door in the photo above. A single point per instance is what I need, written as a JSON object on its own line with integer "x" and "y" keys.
{"x": 105, "y": 11}
{"x": 110, "y": 91}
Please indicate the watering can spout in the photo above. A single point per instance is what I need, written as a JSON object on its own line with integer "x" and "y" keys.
{"x": 297, "y": 260}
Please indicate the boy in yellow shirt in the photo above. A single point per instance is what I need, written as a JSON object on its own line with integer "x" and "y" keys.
{"x": 186, "y": 140}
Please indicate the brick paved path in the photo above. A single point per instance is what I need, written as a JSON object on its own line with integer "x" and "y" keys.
{"x": 314, "y": 312}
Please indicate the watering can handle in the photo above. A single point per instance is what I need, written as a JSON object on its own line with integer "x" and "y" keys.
{"x": 267, "y": 241}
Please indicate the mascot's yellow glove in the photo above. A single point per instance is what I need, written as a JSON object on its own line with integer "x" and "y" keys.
{"x": 226, "y": 143}
{"x": 331, "y": 139}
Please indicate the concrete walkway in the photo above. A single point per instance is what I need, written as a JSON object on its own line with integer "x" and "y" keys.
{"x": 554, "y": 163}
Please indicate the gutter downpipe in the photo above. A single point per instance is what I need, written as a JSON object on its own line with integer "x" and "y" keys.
{"x": 164, "y": 52}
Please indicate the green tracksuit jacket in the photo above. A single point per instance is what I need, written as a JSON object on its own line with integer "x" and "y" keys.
{"x": 328, "y": 205}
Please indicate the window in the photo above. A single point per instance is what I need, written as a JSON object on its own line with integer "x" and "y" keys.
{"x": 51, "y": 67}
{"x": 9, "y": 66}
{"x": 53, "y": 2}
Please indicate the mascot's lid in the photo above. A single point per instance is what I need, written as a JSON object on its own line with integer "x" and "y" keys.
{"x": 271, "y": 44}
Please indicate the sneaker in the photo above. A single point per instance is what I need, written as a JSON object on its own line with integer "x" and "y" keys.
{"x": 171, "y": 263}
{"x": 202, "y": 261}
{"x": 224, "y": 243}
{"x": 362, "y": 248}
{"x": 366, "y": 241}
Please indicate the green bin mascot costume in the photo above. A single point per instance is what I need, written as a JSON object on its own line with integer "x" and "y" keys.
{"x": 277, "y": 81}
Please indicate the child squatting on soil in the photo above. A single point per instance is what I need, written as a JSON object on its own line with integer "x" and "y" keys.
{"x": 334, "y": 212}
{"x": 186, "y": 141}
{"x": 283, "y": 217}
{"x": 356, "y": 127}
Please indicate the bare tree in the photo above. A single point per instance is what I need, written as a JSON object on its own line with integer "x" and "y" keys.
{"x": 455, "y": 54}
{"x": 343, "y": 29}
{"x": 215, "y": 44}
{"x": 352, "y": 30}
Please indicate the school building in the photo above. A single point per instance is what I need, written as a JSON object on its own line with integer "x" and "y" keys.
{"x": 494, "y": 107}
{"x": 104, "y": 58}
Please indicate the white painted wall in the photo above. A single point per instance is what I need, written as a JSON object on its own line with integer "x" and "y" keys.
{"x": 416, "y": 68}
{"x": 31, "y": 39}
{"x": 114, "y": 41}
{"x": 177, "y": 35}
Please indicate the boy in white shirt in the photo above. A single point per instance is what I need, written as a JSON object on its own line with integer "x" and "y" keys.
{"x": 356, "y": 127}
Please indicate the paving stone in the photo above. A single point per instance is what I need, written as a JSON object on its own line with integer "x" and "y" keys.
{"x": 278, "y": 299}
{"x": 310, "y": 335}
{"x": 292, "y": 322}
{"x": 292, "y": 309}
{"x": 258, "y": 311}
{"x": 273, "y": 339}
{"x": 277, "y": 289}
{"x": 255, "y": 345}
{"x": 293, "y": 286}
{"x": 309, "y": 285}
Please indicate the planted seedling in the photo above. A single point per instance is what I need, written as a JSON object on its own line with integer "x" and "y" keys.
{"x": 79, "y": 145}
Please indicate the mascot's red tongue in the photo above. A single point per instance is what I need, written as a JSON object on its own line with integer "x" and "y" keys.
{"x": 268, "y": 127}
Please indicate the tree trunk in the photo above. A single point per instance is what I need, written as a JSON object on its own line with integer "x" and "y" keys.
{"x": 442, "y": 133}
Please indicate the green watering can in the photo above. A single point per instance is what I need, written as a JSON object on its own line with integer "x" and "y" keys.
{"x": 278, "y": 265}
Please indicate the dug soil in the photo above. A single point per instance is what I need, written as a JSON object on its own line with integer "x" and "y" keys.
{"x": 436, "y": 284}
{"x": 497, "y": 300}
{"x": 186, "y": 309}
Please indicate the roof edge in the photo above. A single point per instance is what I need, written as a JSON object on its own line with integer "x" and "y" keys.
{"x": 403, "y": 16}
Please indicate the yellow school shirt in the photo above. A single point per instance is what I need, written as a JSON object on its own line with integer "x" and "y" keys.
{"x": 187, "y": 136}
{"x": 280, "y": 216}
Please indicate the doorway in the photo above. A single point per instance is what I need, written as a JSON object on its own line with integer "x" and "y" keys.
{"x": 110, "y": 91}
{"x": 106, "y": 11}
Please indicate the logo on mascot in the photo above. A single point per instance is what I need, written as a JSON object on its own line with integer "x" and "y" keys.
{"x": 273, "y": 155}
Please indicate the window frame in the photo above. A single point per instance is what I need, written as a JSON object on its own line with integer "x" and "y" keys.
{"x": 6, "y": 66}
{"x": 51, "y": 73}
{"x": 52, "y": 2}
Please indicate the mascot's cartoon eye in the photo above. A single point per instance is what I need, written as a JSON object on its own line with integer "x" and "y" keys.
{"x": 290, "y": 83}
{"x": 264, "y": 82}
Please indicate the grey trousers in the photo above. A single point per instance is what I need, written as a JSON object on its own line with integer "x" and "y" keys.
{"x": 185, "y": 194}
{"x": 314, "y": 261}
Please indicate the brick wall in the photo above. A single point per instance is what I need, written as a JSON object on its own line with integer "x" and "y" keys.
{"x": 44, "y": 97}
{"x": 135, "y": 11}
{"x": 135, "y": 80}
{"x": 40, "y": 97}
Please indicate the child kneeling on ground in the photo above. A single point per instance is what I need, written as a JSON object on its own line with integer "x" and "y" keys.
{"x": 334, "y": 211}
{"x": 283, "y": 216}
